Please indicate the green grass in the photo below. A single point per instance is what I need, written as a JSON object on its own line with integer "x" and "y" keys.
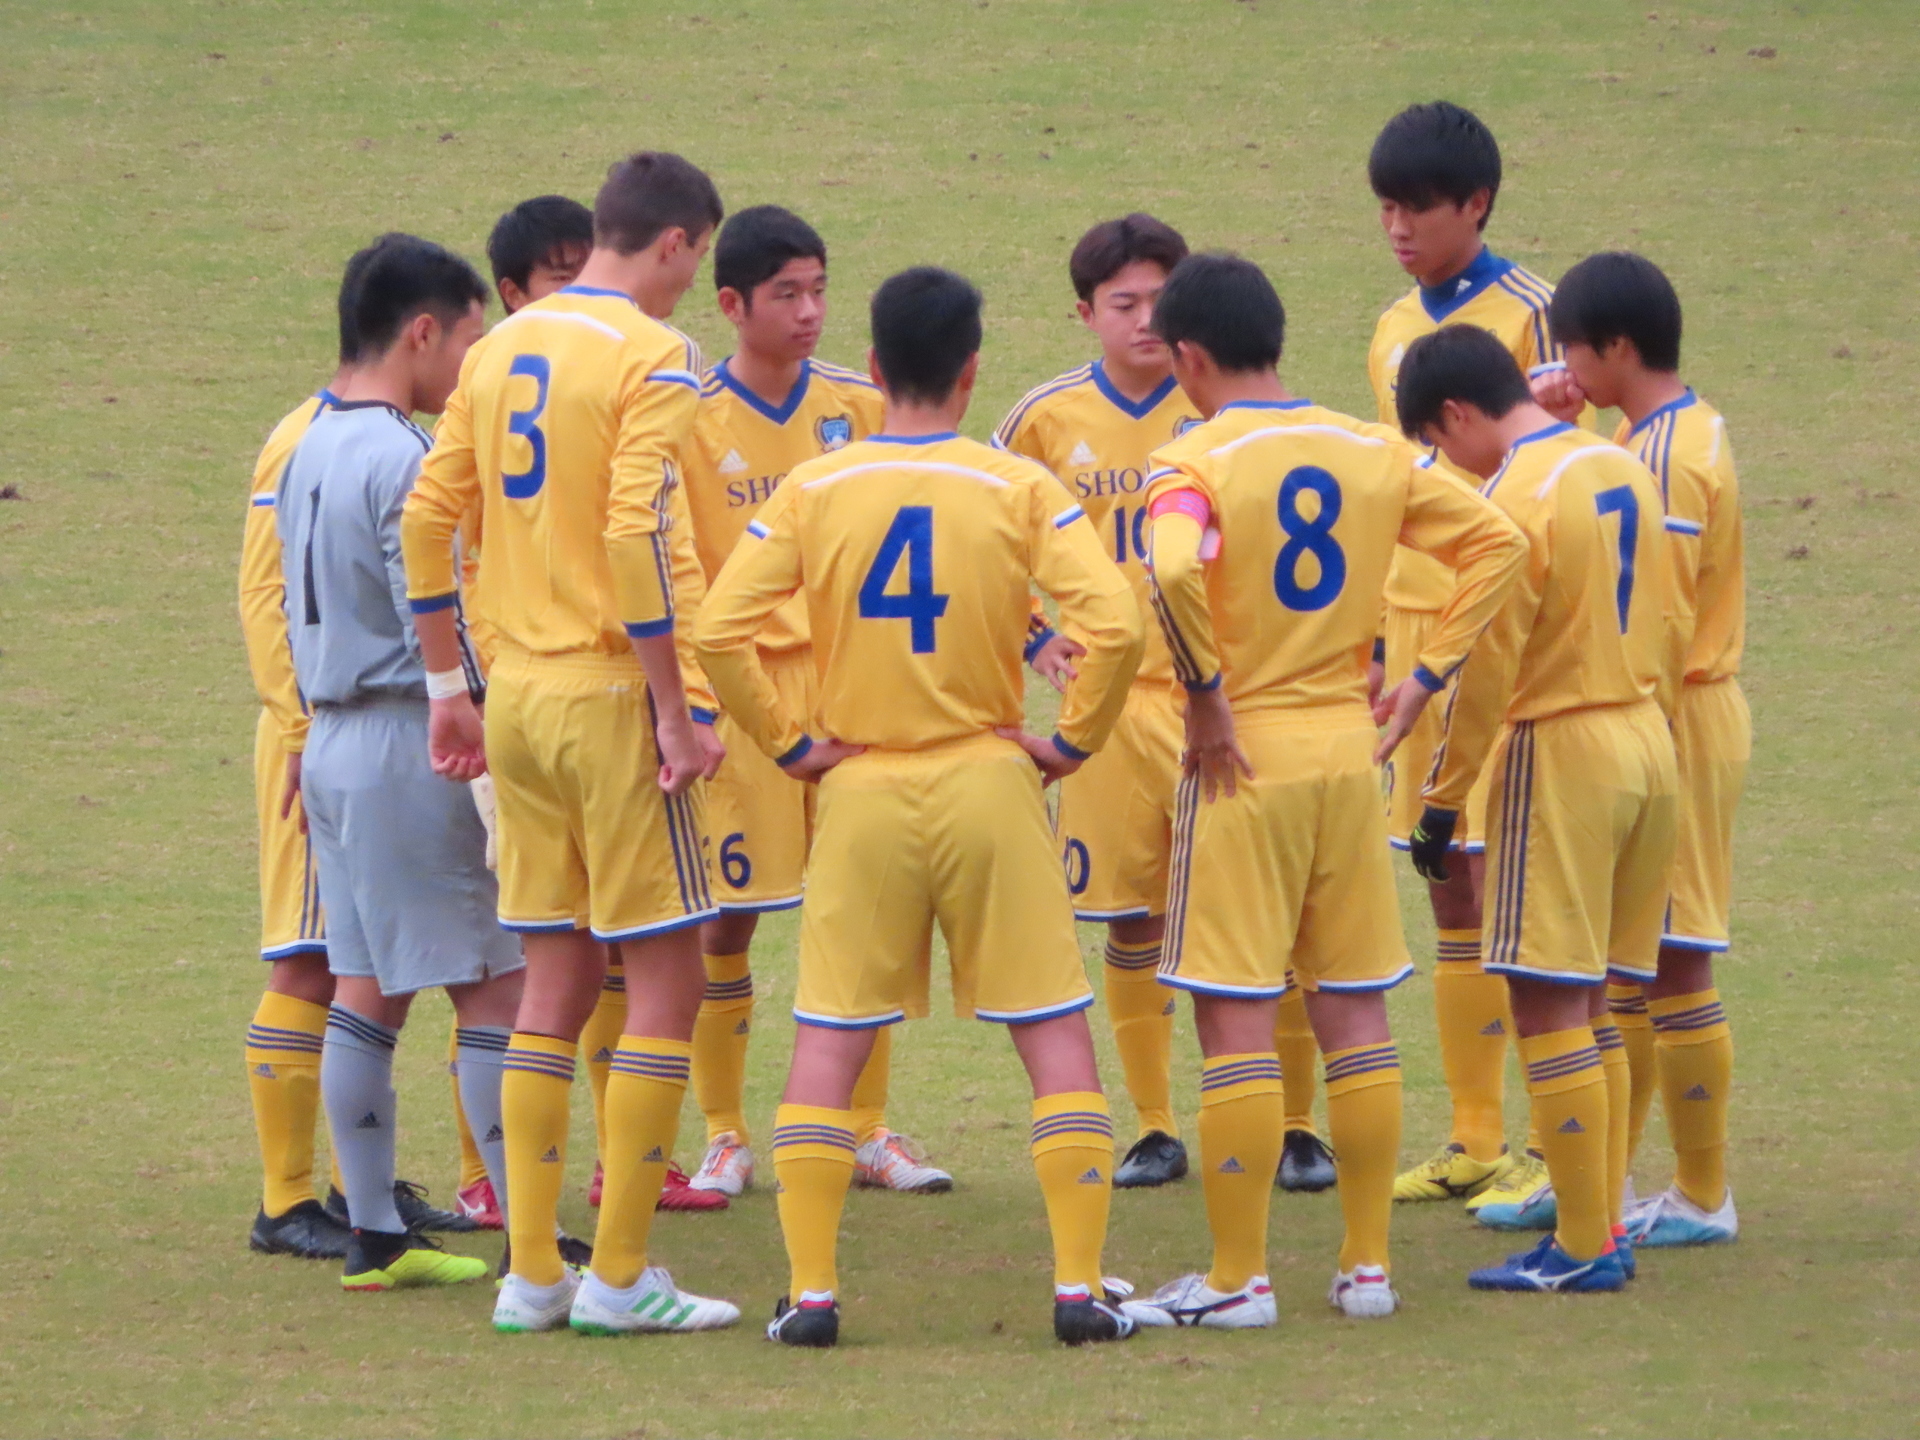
{"x": 183, "y": 182}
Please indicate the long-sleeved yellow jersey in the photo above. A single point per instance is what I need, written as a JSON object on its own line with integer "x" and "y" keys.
{"x": 1684, "y": 444}
{"x": 741, "y": 449}
{"x": 1498, "y": 296}
{"x": 914, "y": 556}
{"x": 1309, "y": 505}
{"x": 1096, "y": 443}
{"x": 1590, "y": 621}
{"x": 263, "y": 588}
{"x": 565, "y": 428}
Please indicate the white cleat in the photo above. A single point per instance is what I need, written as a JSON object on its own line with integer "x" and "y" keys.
{"x": 651, "y": 1305}
{"x": 522, "y": 1307}
{"x": 893, "y": 1162}
{"x": 1362, "y": 1293}
{"x": 1671, "y": 1219}
{"x": 726, "y": 1167}
{"x": 1191, "y": 1301}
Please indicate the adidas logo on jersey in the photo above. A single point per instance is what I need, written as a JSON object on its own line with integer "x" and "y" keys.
{"x": 1232, "y": 1166}
{"x": 552, "y": 1157}
{"x": 1573, "y": 1126}
{"x": 1082, "y": 454}
{"x": 1494, "y": 1027}
{"x": 654, "y": 1157}
{"x": 1092, "y": 1177}
{"x": 265, "y": 1072}
{"x": 1698, "y": 1092}
{"x": 494, "y": 1133}
{"x": 743, "y": 1028}
{"x": 733, "y": 464}
{"x": 368, "y": 1121}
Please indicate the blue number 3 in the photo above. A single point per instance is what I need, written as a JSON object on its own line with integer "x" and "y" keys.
{"x": 1309, "y": 537}
{"x": 526, "y": 423}
{"x": 1621, "y": 501}
{"x": 911, "y": 532}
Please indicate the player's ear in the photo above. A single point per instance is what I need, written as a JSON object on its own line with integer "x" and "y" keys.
{"x": 733, "y": 304}
{"x": 1086, "y": 311}
{"x": 969, "y": 372}
{"x": 1477, "y": 206}
{"x": 873, "y": 370}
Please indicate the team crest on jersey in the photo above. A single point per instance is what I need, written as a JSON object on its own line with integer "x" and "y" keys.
{"x": 835, "y": 431}
{"x": 1184, "y": 424}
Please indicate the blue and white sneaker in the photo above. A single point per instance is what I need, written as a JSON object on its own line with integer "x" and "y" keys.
{"x": 1670, "y": 1219}
{"x": 1548, "y": 1267}
{"x": 1191, "y": 1301}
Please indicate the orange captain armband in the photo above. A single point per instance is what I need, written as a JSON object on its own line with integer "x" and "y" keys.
{"x": 1190, "y": 503}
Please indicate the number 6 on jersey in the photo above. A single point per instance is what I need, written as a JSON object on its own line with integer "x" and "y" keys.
{"x": 912, "y": 534}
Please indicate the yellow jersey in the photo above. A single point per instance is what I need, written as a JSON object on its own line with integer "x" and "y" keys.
{"x": 741, "y": 449}
{"x": 1589, "y": 623}
{"x": 1684, "y": 444}
{"x": 1308, "y": 506}
{"x": 565, "y": 429}
{"x": 263, "y": 588}
{"x": 1096, "y": 443}
{"x": 1498, "y": 296}
{"x": 914, "y": 557}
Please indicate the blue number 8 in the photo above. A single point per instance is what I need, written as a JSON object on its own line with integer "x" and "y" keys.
{"x": 1309, "y": 537}
{"x": 526, "y": 423}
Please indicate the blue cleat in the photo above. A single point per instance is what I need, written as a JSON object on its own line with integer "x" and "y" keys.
{"x": 1671, "y": 1219}
{"x": 1623, "y": 1247}
{"x": 1548, "y": 1267}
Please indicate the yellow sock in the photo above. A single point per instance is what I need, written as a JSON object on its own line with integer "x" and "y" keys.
{"x": 1471, "y": 1007}
{"x": 536, "y": 1082}
{"x": 472, "y": 1168}
{"x": 1628, "y": 1006}
{"x": 1696, "y": 1077}
{"x": 1363, "y": 1114}
{"x": 644, "y": 1095}
{"x": 1140, "y": 1009}
{"x": 1299, "y": 1058}
{"x": 599, "y": 1038}
{"x": 1613, "y": 1065}
{"x": 1073, "y": 1156}
{"x": 869, "y": 1104}
{"x": 1241, "y": 1110}
{"x": 1569, "y": 1094}
{"x": 720, "y": 1046}
{"x": 283, "y": 1074}
{"x": 813, "y": 1166}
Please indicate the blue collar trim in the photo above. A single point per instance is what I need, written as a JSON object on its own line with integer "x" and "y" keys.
{"x": 915, "y": 439}
{"x": 1559, "y": 427}
{"x": 1667, "y": 409}
{"x": 1440, "y": 301}
{"x": 778, "y": 414}
{"x": 326, "y": 397}
{"x": 1120, "y": 402}
{"x": 1294, "y": 404}
{"x": 598, "y": 290}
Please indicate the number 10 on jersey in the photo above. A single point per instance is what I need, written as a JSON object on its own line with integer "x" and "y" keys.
{"x": 911, "y": 536}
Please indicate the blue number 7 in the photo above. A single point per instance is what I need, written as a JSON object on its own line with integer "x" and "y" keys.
{"x": 1621, "y": 501}
{"x": 911, "y": 532}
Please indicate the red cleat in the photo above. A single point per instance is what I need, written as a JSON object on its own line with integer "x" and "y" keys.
{"x": 678, "y": 1194}
{"x": 479, "y": 1204}
{"x": 593, "y": 1190}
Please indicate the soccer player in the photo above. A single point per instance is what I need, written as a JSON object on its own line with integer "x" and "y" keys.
{"x": 1272, "y": 529}
{"x": 1618, "y": 320}
{"x": 913, "y": 551}
{"x": 764, "y": 409}
{"x": 1436, "y": 171}
{"x": 400, "y": 852}
{"x": 565, "y": 427}
{"x": 1561, "y": 702}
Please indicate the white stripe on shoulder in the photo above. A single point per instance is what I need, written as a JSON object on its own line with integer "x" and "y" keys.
{"x": 572, "y": 317}
{"x": 1719, "y": 434}
{"x": 263, "y": 499}
{"x": 757, "y": 530}
{"x": 1067, "y": 516}
{"x": 1372, "y": 442}
{"x": 1553, "y": 475}
{"x": 1162, "y": 473}
{"x": 942, "y": 467}
{"x": 677, "y": 377}
{"x": 1683, "y": 527}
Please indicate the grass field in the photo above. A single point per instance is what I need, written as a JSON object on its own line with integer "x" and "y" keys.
{"x": 182, "y": 183}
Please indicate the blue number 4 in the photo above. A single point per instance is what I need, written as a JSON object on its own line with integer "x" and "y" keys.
{"x": 526, "y": 423}
{"x": 1621, "y": 501}
{"x": 911, "y": 532}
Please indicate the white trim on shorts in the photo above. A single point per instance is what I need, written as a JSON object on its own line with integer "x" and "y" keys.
{"x": 1470, "y": 847}
{"x": 1700, "y": 943}
{"x": 1028, "y": 1017}
{"x": 1231, "y": 992}
{"x": 760, "y": 907}
{"x": 837, "y": 1022}
{"x": 659, "y": 927}
{"x": 1552, "y": 977}
{"x": 1098, "y": 917}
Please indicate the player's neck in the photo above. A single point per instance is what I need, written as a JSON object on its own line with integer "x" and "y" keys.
{"x": 1263, "y": 385}
{"x": 388, "y": 381}
{"x": 770, "y": 379}
{"x": 1520, "y": 422}
{"x": 1454, "y": 266}
{"x": 1645, "y": 391}
{"x": 638, "y": 276}
{"x": 339, "y": 381}
{"x": 1134, "y": 381}
{"x": 905, "y": 419}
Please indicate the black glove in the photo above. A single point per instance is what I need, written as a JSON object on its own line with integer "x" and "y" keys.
{"x": 1429, "y": 843}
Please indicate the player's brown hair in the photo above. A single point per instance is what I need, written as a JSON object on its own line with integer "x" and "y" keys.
{"x": 1112, "y": 245}
{"x": 651, "y": 192}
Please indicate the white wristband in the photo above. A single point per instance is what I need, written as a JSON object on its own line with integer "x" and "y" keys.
{"x": 446, "y": 684}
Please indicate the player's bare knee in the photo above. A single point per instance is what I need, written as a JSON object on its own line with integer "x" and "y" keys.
{"x": 730, "y": 934}
{"x": 304, "y": 977}
{"x": 1343, "y": 1019}
{"x": 493, "y": 1001}
{"x": 1147, "y": 930}
{"x": 827, "y": 1061}
{"x": 1233, "y": 1024}
{"x": 1057, "y": 1054}
{"x": 1682, "y": 972}
{"x": 1456, "y": 901}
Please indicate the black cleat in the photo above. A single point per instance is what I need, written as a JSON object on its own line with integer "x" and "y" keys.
{"x": 1306, "y": 1164}
{"x": 308, "y": 1230}
{"x": 1155, "y": 1159}
{"x": 1083, "y": 1322}
{"x": 416, "y": 1212}
{"x": 812, "y": 1324}
{"x": 574, "y": 1252}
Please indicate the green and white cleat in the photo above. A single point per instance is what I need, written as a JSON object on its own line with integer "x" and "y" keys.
{"x": 521, "y": 1308}
{"x": 653, "y": 1304}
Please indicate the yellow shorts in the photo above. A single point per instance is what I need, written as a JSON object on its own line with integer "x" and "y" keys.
{"x": 1410, "y": 767}
{"x": 1292, "y": 872}
{"x": 291, "y": 922}
{"x": 1581, "y": 819}
{"x": 1116, "y": 812}
{"x": 760, "y": 818}
{"x": 955, "y": 834}
{"x": 587, "y": 838}
{"x": 1713, "y": 738}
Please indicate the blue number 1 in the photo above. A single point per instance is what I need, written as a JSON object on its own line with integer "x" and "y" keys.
{"x": 1621, "y": 501}
{"x": 912, "y": 532}
{"x": 526, "y": 423}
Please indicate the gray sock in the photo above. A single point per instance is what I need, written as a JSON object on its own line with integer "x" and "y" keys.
{"x": 482, "y": 1049}
{"x": 356, "y": 1082}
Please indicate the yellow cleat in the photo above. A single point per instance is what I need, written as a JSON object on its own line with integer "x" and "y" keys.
{"x": 1451, "y": 1174}
{"x": 415, "y": 1264}
{"x": 1525, "y": 1176}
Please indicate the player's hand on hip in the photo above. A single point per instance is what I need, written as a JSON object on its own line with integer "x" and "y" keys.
{"x": 821, "y": 756}
{"x": 1213, "y": 744}
{"x": 1397, "y": 712}
{"x": 1052, "y": 763}
{"x": 1053, "y": 661}
{"x": 1429, "y": 843}
{"x": 290, "y": 796}
{"x": 712, "y": 749}
{"x": 1558, "y": 393}
{"x": 456, "y": 738}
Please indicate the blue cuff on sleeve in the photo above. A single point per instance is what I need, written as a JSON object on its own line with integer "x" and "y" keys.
{"x": 1072, "y": 752}
{"x": 651, "y": 628}
{"x": 701, "y": 715}
{"x": 1205, "y": 685}
{"x": 432, "y": 603}
{"x": 1379, "y": 652}
{"x": 1427, "y": 678}
{"x": 797, "y": 753}
{"x": 1040, "y": 638}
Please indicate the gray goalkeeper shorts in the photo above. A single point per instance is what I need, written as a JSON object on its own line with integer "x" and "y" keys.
{"x": 401, "y": 854}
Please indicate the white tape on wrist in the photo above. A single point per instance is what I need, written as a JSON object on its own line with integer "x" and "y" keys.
{"x": 446, "y": 684}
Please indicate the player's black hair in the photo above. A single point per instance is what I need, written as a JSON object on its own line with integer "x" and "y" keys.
{"x": 926, "y": 325}
{"x": 649, "y": 192}
{"x": 1112, "y": 245}
{"x": 1434, "y": 152}
{"x": 1617, "y": 295}
{"x": 1226, "y": 305}
{"x": 350, "y": 348}
{"x": 1456, "y": 362}
{"x": 756, "y": 243}
{"x": 537, "y": 232}
{"x": 403, "y": 276}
